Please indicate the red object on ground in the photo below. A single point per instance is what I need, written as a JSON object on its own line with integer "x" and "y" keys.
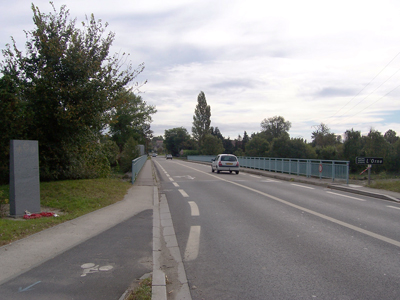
{"x": 37, "y": 216}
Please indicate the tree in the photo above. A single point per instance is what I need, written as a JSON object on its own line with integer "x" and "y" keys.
{"x": 352, "y": 147}
{"x": 376, "y": 146}
{"x": 228, "y": 145}
{"x": 130, "y": 118}
{"x": 391, "y": 137}
{"x": 257, "y": 146}
{"x": 216, "y": 132}
{"x": 129, "y": 153}
{"x": 68, "y": 82}
{"x": 12, "y": 125}
{"x": 322, "y": 137}
{"x": 201, "y": 119}
{"x": 212, "y": 145}
{"x": 274, "y": 127}
{"x": 175, "y": 140}
{"x": 245, "y": 140}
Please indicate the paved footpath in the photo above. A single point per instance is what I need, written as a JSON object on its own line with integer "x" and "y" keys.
{"x": 96, "y": 256}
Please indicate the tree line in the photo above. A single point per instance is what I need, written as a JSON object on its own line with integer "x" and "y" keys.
{"x": 274, "y": 140}
{"x": 68, "y": 92}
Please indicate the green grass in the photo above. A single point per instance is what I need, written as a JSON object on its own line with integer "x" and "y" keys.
{"x": 388, "y": 184}
{"x": 143, "y": 291}
{"x": 73, "y": 198}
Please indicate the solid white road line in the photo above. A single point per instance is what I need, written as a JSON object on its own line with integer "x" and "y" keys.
{"x": 359, "y": 199}
{"x": 193, "y": 243}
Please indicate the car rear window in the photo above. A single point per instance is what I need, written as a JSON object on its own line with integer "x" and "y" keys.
{"x": 228, "y": 158}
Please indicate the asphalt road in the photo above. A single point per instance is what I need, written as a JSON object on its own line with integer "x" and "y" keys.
{"x": 250, "y": 237}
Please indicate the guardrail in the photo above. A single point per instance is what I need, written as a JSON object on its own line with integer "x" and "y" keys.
{"x": 137, "y": 165}
{"x": 335, "y": 169}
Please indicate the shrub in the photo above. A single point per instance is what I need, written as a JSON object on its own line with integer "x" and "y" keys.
{"x": 129, "y": 153}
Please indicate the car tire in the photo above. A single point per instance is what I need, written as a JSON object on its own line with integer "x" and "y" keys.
{"x": 237, "y": 172}
{"x": 218, "y": 171}
{"x": 212, "y": 169}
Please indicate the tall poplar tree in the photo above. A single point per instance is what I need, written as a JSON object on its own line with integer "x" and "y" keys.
{"x": 201, "y": 119}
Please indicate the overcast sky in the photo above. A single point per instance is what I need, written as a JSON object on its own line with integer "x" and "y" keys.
{"x": 335, "y": 62}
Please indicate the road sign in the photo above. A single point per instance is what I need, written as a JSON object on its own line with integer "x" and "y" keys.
{"x": 320, "y": 168}
{"x": 369, "y": 160}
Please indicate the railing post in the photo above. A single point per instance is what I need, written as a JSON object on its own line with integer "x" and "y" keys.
{"x": 333, "y": 171}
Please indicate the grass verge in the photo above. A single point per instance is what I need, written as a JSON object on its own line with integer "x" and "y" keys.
{"x": 72, "y": 198}
{"x": 143, "y": 291}
{"x": 389, "y": 185}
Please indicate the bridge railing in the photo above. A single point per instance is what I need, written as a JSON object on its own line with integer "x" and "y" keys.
{"x": 333, "y": 169}
{"x": 137, "y": 165}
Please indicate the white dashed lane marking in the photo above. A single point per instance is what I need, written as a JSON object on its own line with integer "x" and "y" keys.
{"x": 184, "y": 194}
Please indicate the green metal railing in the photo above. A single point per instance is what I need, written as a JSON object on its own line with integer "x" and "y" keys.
{"x": 137, "y": 165}
{"x": 334, "y": 169}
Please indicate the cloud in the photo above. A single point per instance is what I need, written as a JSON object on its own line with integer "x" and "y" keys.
{"x": 315, "y": 62}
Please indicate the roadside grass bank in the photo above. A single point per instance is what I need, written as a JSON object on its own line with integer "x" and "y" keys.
{"x": 69, "y": 199}
{"x": 386, "y": 184}
{"x": 383, "y": 181}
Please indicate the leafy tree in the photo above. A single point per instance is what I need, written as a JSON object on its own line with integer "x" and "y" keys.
{"x": 376, "y": 146}
{"x": 391, "y": 137}
{"x": 257, "y": 146}
{"x": 280, "y": 146}
{"x": 352, "y": 147}
{"x": 176, "y": 139}
{"x": 300, "y": 149}
{"x": 274, "y": 127}
{"x": 130, "y": 118}
{"x": 245, "y": 140}
{"x": 68, "y": 82}
{"x": 201, "y": 119}
{"x": 216, "y": 132}
{"x": 129, "y": 153}
{"x": 212, "y": 145}
{"x": 111, "y": 150}
{"x": 12, "y": 125}
{"x": 228, "y": 145}
{"x": 322, "y": 137}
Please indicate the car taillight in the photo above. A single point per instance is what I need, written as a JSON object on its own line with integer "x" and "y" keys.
{"x": 237, "y": 164}
{"x": 220, "y": 164}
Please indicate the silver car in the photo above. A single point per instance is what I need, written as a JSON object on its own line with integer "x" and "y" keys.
{"x": 225, "y": 162}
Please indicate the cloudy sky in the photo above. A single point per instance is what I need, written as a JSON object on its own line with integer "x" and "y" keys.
{"x": 333, "y": 62}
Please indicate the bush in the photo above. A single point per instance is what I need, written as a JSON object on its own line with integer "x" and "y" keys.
{"x": 129, "y": 153}
{"x": 111, "y": 151}
{"x": 186, "y": 153}
{"x": 87, "y": 163}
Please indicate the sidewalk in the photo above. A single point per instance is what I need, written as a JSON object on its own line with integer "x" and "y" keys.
{"x": 26, "y": 254}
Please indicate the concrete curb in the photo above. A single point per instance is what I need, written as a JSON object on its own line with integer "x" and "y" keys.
{"x": 159, "y": 286}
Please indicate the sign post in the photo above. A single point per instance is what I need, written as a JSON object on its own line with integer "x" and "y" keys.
{"x": 369, "y": 161}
